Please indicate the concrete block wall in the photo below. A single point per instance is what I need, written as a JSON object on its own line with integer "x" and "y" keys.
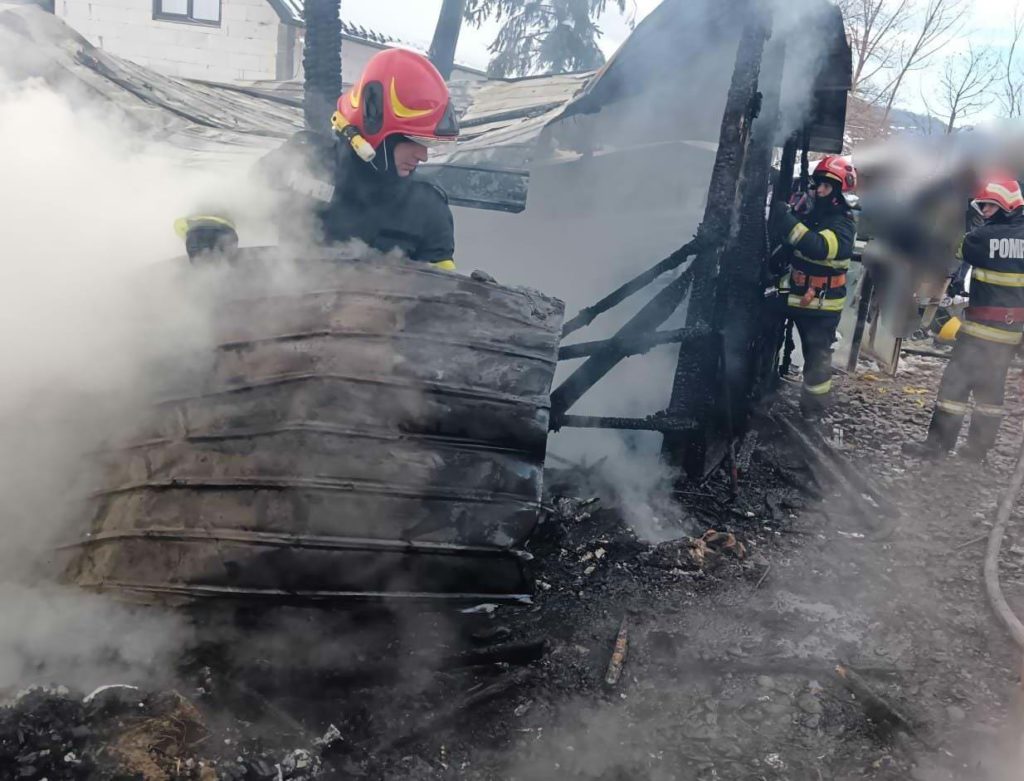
{"x": 355, "y": 54}
{"x": 243, "y": 48}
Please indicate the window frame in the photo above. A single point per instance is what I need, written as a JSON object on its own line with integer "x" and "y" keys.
{"x": 187, "y": 18}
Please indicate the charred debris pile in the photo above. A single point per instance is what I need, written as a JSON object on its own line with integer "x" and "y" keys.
{"x": 329, "y": 695}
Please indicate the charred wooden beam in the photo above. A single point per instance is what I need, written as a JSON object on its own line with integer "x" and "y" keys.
{"x": 587, "y": 315}
{"x": 749, "y": 326}
{"x": 321, "y": 60}
{"x": 644, "y": 322}
{"x": 657, "y": 422}
{"x": 697, "y": 371}
{"x": 634, "y": 346}
{"x": 518, "y": 653}
{"x": 781, "y": 192}
{"x": 275, "y": 596}
{"x": 784, "y": 183}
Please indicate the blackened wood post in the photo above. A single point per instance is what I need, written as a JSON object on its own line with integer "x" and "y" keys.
{"x": 696, "y": 388}
{"x": 446, "y": 36}
{"x": 749, "y": 323}
{"x": 321, "y": 60}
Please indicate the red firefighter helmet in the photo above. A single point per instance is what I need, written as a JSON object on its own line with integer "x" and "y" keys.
{"x": 400, "y": 93}
{"x": 1001, "y": 189}
{"x": 837, "y": 169}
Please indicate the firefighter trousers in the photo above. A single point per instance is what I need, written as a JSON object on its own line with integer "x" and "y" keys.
{"x": 817, "y": 332}
{"x": 977, "y": 367}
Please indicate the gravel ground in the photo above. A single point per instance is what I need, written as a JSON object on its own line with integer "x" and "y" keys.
{"x": 733, "y": 644}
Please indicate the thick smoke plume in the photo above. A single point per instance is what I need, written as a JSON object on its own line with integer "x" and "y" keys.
{"x": 94, "y": 322}
{"x": 622, "y": 189}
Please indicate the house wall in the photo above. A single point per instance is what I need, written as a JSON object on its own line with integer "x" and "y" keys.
{"x": 356, "y": 53}
{"x": 244, "y": 47}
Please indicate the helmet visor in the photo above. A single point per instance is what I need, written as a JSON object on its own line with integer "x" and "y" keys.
{"x": 433, "y": 142}
{"x": 448, "y": 127}
{"x": 977, "y": 203}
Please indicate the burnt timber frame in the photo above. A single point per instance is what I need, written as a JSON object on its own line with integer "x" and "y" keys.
{"x": 738, "y": 351}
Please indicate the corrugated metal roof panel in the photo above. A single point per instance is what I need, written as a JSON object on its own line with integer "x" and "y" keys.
{"x": 198, "y": 122}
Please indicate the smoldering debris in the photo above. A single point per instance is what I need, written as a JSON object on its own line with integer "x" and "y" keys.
{"x": 51, "y": 635}
{"x": 122, "y": 732}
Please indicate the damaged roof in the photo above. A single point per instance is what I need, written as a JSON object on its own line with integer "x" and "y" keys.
{"x": 501, "y": 123}
{"x": 197, "y": 122}
{"x": 508, "y": 126}
{"x": 290, "y": 11}
{"x": 668, "y": 84}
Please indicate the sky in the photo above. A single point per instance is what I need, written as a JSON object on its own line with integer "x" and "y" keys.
{"x": 413, "y": 22}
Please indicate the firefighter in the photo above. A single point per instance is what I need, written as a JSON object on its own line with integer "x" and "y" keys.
{"x": 988, "y": 338}
{"x": 363, "y": 185}
{"x": 817, "y": 237}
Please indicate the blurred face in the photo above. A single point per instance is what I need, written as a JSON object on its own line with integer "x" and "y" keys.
{"x": 408, "y": 155}
{"x": 988, "y": 210}
{"x": 824, "y": 189}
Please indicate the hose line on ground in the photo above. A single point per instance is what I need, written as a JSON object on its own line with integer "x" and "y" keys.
{"x": 995, "y": 544}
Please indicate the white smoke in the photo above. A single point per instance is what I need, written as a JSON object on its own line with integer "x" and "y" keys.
{"x": 94, "y": 320}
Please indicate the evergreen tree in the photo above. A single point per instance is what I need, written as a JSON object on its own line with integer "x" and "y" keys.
{"x": 542, "y": 36}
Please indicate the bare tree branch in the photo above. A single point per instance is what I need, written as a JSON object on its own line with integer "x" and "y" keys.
{"x": 873, "y": 29}
{"x": 966, "y": 85}
{"x": 938, "y": 22}
{"x": 1011, "y": 96}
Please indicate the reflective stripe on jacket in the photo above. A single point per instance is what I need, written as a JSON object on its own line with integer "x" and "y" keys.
{"x": 995, "y": 252}
{"x": 821, "y": 247}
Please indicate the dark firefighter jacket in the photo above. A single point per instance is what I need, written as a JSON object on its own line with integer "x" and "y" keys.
{"x": 352, "y": 200}
{"x": 995, "y": 252}
{"x": 819, "y": 247}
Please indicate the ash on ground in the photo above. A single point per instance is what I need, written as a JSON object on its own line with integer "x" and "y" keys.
{"x": 721, "y": 645}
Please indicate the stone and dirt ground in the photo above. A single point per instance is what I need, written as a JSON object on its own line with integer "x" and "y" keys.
{"x": 733, "y": 644}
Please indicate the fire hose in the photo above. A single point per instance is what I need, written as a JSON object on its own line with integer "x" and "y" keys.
{"x": 995, "y": 544}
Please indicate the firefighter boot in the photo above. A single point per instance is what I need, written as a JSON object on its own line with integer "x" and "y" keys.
{"x": 982, "y": 434}
{"x": 942, "y": 434}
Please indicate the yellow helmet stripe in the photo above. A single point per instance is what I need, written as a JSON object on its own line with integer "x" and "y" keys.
{"x": 354, "y": 95}
{"x": 403, "y": 111}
